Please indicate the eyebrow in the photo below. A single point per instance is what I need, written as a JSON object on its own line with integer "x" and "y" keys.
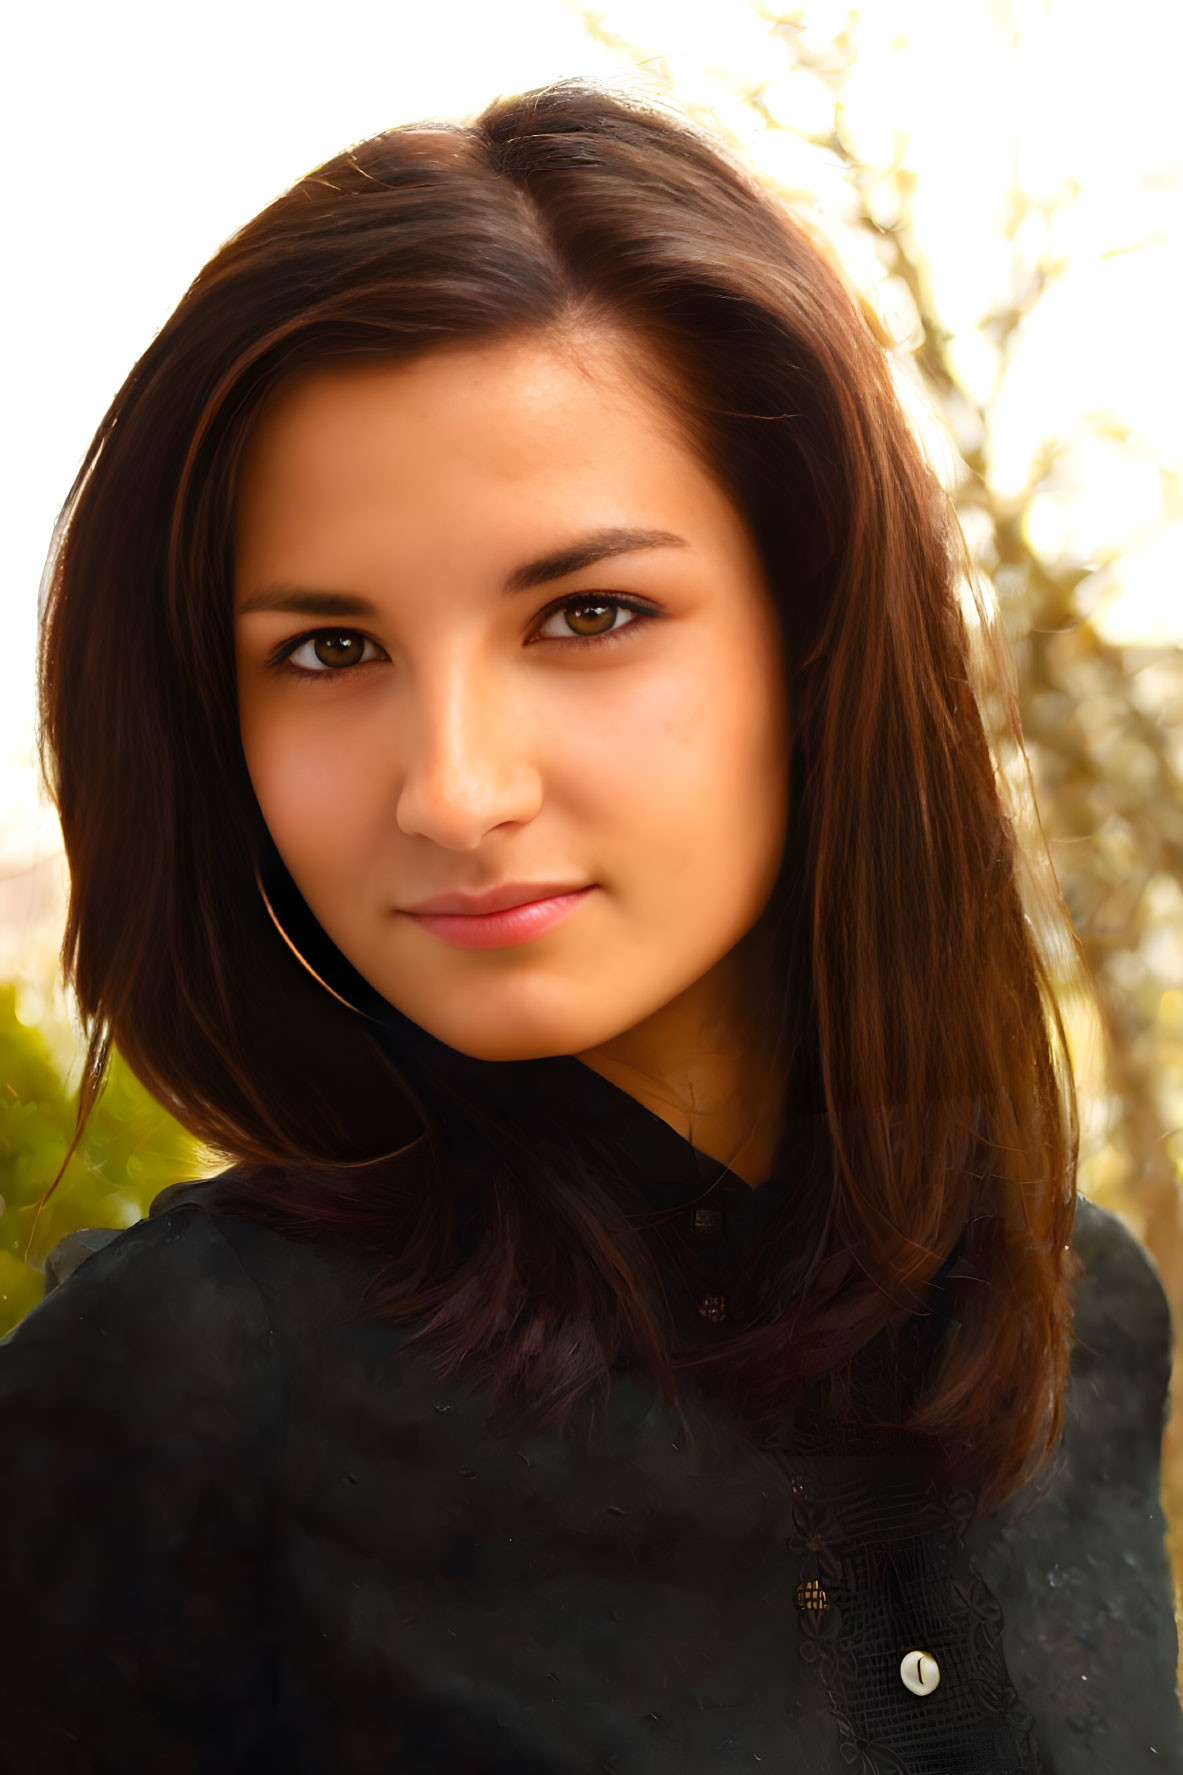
{"x": 585, "y": 551}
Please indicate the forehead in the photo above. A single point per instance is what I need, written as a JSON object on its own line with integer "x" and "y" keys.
{"x": 461, "y": 438}
{"x": 507, "y": 405}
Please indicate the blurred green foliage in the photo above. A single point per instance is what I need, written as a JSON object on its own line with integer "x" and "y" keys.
{"x": 131, "y": 1149}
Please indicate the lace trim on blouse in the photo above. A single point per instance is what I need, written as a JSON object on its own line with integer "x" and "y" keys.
{"x": 883, "y": 1571}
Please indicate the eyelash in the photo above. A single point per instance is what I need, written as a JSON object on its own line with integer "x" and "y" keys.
{"x": 280, "y": 659}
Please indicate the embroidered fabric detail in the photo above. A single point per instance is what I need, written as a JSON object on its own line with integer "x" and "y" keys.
{"x": 884, "y": 1546}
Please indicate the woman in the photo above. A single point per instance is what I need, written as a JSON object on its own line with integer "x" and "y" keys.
{"x": 521, "y": 759}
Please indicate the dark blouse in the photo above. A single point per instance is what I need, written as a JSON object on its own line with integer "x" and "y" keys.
{"x": 246, "y": 1530}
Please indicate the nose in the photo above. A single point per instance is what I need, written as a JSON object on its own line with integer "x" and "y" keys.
{"x": 468, "y": 764}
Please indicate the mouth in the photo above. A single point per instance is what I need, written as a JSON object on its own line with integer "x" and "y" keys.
{"x": 497, "y": 929}
{"x": 496, "y": 899}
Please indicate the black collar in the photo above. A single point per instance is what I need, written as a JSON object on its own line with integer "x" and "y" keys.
{"x": 556, "y": 1094}
{"x": 664, "y": 1171}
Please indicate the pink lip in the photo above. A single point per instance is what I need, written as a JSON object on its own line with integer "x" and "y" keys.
{"x": 496, "y": 899}
{"x": 496, "y": 930}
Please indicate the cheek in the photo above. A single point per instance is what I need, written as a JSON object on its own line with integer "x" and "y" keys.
{"x": 317, "y": 787}
{"x": 724, "y": 742}
{"x": 699, "y": 775}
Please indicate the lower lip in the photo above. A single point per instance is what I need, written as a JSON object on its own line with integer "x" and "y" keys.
{"x": 496, "y": 930}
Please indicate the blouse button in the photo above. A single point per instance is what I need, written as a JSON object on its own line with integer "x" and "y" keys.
{"x": 713, "y": 1307}
{"x": 920, "y": 1672}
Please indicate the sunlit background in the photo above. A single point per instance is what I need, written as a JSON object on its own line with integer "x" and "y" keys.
{"x": 1003, "y": 178}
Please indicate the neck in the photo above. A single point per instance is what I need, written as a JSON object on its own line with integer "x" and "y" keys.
{"x": 706, "y": 1064}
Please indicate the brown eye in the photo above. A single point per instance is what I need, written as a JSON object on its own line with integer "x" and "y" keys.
{"x": 330, "y": 651}
{"x": 592, "y": 613}
{"x": 582, "y": 621}
{"x": 339, "y": 650}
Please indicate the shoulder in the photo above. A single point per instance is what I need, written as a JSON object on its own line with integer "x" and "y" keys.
{"x": 167, "y": 1271}
{"x": 198, "y": 1260}
{"x": 143, "y": 1381}
{"x": 307, "y": 1282}
{"x": 141, "y": 1423}
{"x": 159, "y": 1320}
{"x": 1111, "y": 1251}
{"x": 1121, "y": 1360}
{"x": 1078, "y": 1563}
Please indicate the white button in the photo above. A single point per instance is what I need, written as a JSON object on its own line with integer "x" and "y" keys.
{"x": 921, "y": 1672}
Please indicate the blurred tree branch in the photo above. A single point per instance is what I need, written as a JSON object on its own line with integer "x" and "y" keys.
{"x": 1097, "y": 718}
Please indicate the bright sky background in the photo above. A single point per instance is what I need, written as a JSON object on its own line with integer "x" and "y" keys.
{"x": 138, "y": 136}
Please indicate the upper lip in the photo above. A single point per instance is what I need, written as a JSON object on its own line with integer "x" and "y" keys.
{"x": 497, "y": 899}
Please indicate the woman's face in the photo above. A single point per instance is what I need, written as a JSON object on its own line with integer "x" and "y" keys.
{"x": 420, "y": 715}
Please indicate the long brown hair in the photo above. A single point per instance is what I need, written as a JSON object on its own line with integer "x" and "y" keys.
{"x": 914, "y": 938}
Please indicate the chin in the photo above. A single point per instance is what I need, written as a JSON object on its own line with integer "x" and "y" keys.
{"x": 525, "y": 1018}
{"x": 500, "y": 1034}
{"x": 502, "y": 1044}
{"x": 521, "y": 1032}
